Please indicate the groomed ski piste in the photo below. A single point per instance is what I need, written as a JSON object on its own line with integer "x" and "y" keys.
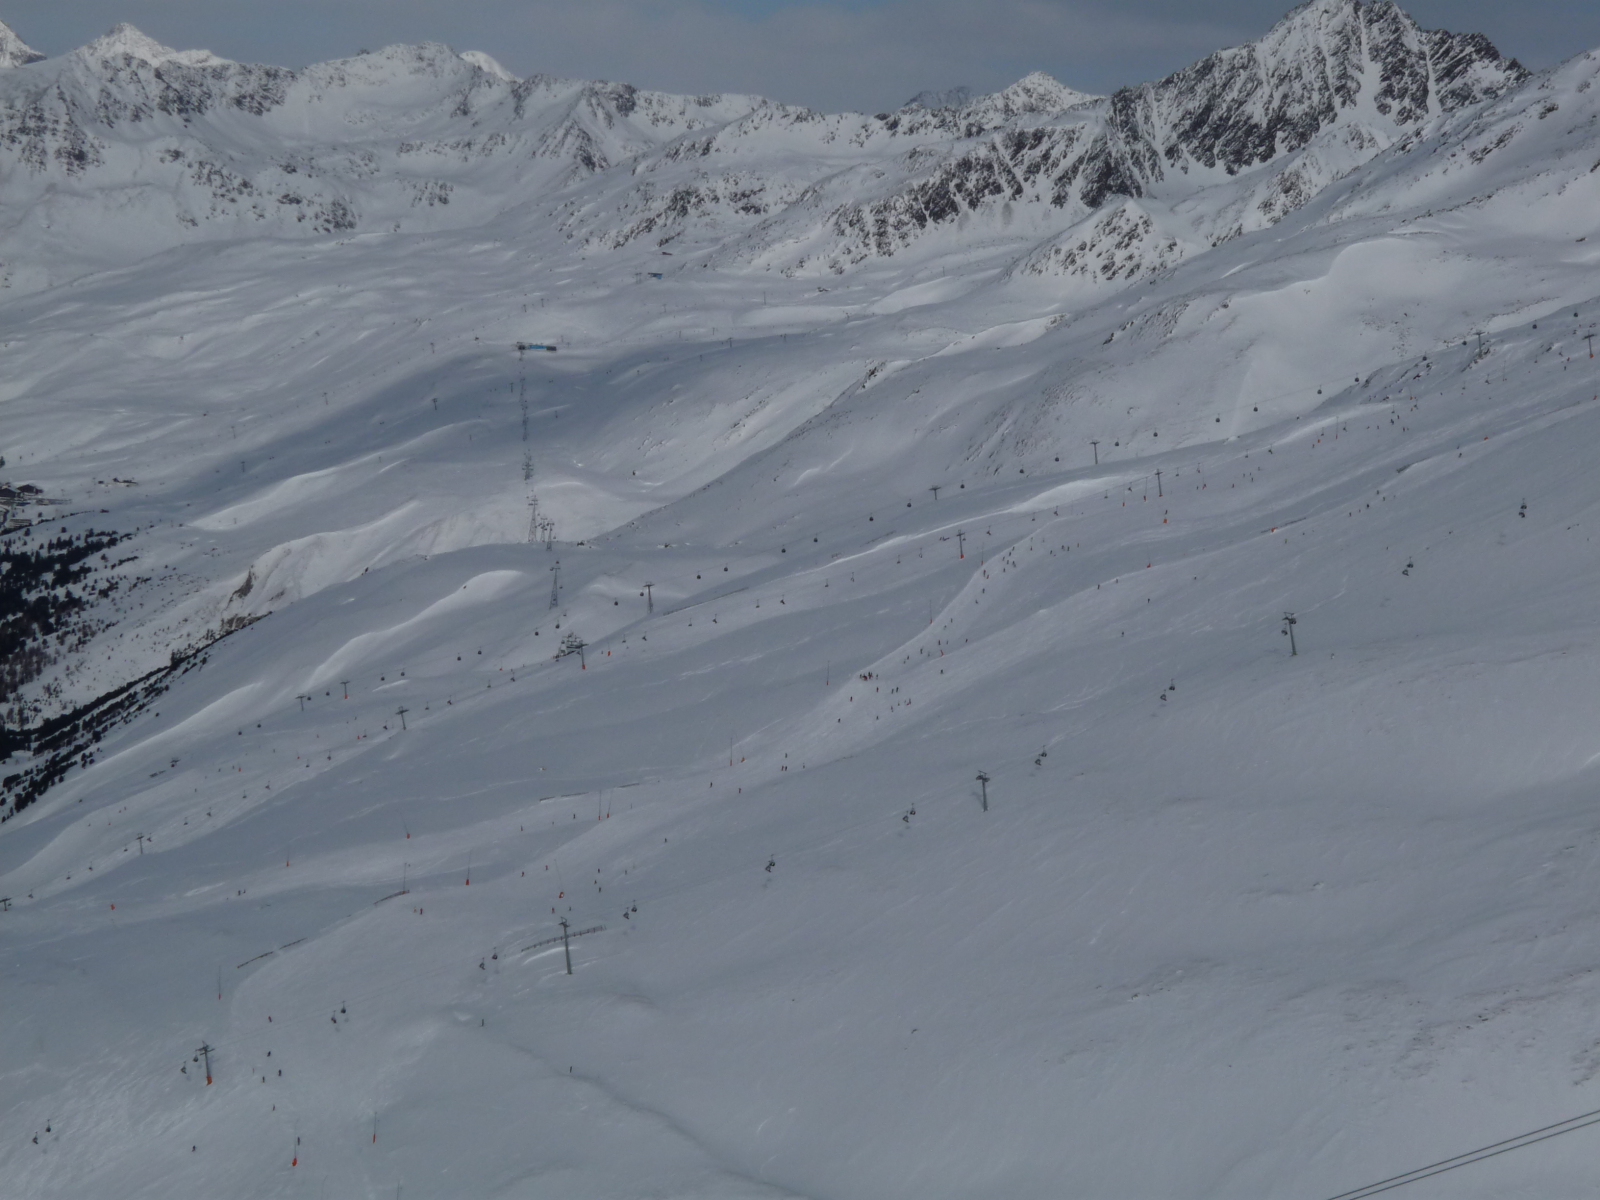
{"x": 1221, "y": 921}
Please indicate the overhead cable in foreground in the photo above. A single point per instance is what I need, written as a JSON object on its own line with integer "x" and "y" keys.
{"x": 1570, "y": 1125}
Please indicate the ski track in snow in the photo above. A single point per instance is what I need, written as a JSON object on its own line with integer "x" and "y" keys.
{"x": 1234, "y": 923}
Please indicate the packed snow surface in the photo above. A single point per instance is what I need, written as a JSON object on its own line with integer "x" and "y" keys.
{"x": 835, "y": 540}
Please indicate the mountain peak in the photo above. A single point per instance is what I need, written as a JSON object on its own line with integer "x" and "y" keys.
{"x": 1043, "y": 92}
{"x": 14, "y": 52}
{"x": 487, "y": 62}
{"x": 125, "y": 41}
{"x": 1325, "y": 62}
{"x": 1035, "y": 94}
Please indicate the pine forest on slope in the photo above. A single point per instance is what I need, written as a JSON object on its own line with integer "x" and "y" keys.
{"x": 440, "y": 506}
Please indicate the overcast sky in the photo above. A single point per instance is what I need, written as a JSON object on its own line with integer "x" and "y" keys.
{"x": 844, "y": 54}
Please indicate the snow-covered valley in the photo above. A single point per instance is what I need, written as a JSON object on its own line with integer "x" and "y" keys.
{"x": 1023, "y": 487}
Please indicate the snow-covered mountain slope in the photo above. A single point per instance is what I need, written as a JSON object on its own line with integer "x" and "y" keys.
{"x": 125, "y": 147}
{"x": 310, "y": 780}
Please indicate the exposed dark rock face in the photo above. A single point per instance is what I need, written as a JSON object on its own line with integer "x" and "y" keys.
{"x": 1242, "y": 107}
{"x": 342, "y": 157}
{"x": 14, "y": 52}
{"x": 1326, "y": 62}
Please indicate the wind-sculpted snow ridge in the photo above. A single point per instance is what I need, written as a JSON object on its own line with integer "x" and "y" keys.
{"x": 883, "y": 673}
{"x": 161, "y": 146}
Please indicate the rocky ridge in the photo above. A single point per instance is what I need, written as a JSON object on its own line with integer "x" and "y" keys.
{"x": 421, "y": 137}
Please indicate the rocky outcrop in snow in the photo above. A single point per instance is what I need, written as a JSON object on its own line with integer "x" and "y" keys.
{"x": 1353, "y": 75}
{"x": 1118, "y": 244}
{"x": 14, "y": 52}
{"x": 416, "y": 137}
